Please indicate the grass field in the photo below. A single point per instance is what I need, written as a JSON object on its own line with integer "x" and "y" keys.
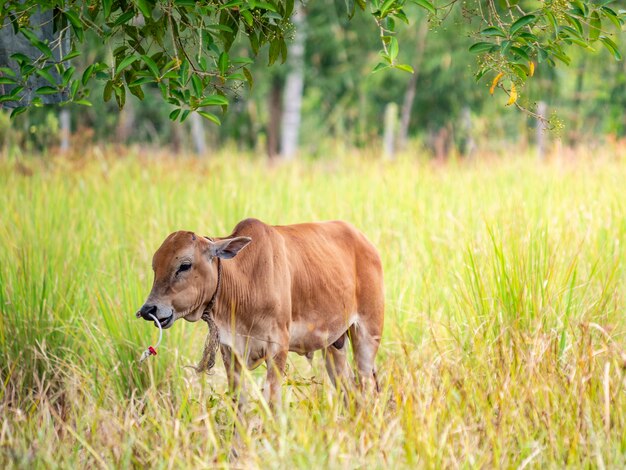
{"x": 505, "y": 288}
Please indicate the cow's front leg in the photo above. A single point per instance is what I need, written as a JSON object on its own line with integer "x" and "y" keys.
{"x": 275, "y": 372}
{"x": 233, "y": 373}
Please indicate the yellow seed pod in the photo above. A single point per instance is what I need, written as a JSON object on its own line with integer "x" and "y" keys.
{"x": 513, "y": 95}
{"x": 531, "y": 67}
{"x": 495, "y": 83}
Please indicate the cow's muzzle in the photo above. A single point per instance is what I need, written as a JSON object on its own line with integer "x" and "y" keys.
{"x": 150, "y": 313}
{"x": 145, "y": 312}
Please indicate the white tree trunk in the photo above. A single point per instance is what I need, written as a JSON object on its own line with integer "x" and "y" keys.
{"x": 391, "y": 121}
{"x": 64, "y": 124}
{"x": 294, "y": 84}
{"x": 197, "y": 134}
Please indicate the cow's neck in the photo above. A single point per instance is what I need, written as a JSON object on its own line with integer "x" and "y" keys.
{"x": 233, "y": 294}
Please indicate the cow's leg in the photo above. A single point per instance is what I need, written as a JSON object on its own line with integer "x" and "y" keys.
{"x": 365, "y": 342}
{"x": 337, "y": 365}
{"x": 233, "y": 373}
{"x": 275, "y": 372}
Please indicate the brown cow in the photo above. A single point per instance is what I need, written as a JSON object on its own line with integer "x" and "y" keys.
{"x": 297, "y": 288}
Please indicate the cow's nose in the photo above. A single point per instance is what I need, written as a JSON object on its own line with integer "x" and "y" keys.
{"x": 148, "y": 310}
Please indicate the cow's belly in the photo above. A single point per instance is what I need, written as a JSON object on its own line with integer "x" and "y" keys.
{"x": 251, "y": 348}
{"x": 311, "y": 333}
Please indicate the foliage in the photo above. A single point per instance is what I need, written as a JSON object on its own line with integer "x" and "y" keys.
{"x": 498, "y": 277}
{"x": 183, "y": 47}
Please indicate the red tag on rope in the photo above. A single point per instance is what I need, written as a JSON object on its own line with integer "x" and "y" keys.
{"x": 152, "y": 351}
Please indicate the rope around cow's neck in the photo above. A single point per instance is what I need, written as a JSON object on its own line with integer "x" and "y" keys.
{"x": 212, "y": 340}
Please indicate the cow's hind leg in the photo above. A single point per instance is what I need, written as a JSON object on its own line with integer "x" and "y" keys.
{"x": 365, "y": 341}
{"x": 337, "y": 365}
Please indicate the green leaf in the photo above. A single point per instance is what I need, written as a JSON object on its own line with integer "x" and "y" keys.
{"x": 274, "y": 51}
{"x": 7, "y": 81}
{"x": 247, "y": 16}
{"x": 174, "y": 114}
{"x": 151, "y": 65}
{"x": 386, "y": 6}
{"x": 402, "y": 16}
{"x": 17, "y": 111}
{"x": 595, "y": 26}
{"x": 404, "y": 67}
{"x": 83, "y": 102}
{"x": 214, "y": 100}
{"x": 145, "y": 7}
{"x": 380, "y": 66}
{"x": 612, "y": 16}
{"x": 211, "y": 117}
{"x": 520, "y": 52}
{"x": 481, "y": 47}
{"x": 426, "y": 5}
{"x": 87, "y": 74}
{"x": 283, "y": 50}
{"x": 106, "y": 6}
{"x": 124, "y": 18}
{"x": 612, "y": 47}
{"x": 393, "y": 48}
{"x": 492, "y": 31}
{"x": 7, "y": 71}
{"x": 222, "y": 63}
{"x": 265, "y": 6}
{"x": 521, "y": 22}
{"x": 108, "y": 91}
{"x": 198, "y": 87}
{"x": 67, "y": 75}
{"x": 46, "y": 90}
{"x": 141, "y": 81}
{"x": 45, "y": 73}
{"x": 35, "y": 41}
{"x": 289, "y": 7}
{"x": 223, "y": 27}
{"x": 120, "y": 95}
{"x": 20, "y": 58}
{"x": 74, "y": 20}
{"x": 126, "y": 62}
{"x": 249, "y": 78}
{"x": 74, "y": 88}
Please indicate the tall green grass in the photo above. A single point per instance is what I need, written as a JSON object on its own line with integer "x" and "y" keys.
{"x": 504, "y": 334}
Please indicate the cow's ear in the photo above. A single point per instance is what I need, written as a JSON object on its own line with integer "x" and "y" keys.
{"x": 228, "y": 248}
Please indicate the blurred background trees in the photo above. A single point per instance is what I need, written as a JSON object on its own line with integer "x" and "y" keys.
{"x": 326, "y": 98}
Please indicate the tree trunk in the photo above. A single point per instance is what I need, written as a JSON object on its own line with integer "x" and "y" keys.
{"x": 64, "y": 124}
{"x": 391, "y": 118}
{"x": 294, "y": 84}
{"x": 411, "y": 88}
{"x": 125, "y": 123}
{"x": 275, "y": 111}
{"x": 197, "y": 134}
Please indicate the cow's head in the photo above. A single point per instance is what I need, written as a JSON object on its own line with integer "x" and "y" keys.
{"x": 185, "y": 276}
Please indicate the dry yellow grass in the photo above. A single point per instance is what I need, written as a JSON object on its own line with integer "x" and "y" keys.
{"x": 504, "y": 326}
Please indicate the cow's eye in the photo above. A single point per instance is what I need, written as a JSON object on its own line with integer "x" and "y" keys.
{"x": 184, "y": 267}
